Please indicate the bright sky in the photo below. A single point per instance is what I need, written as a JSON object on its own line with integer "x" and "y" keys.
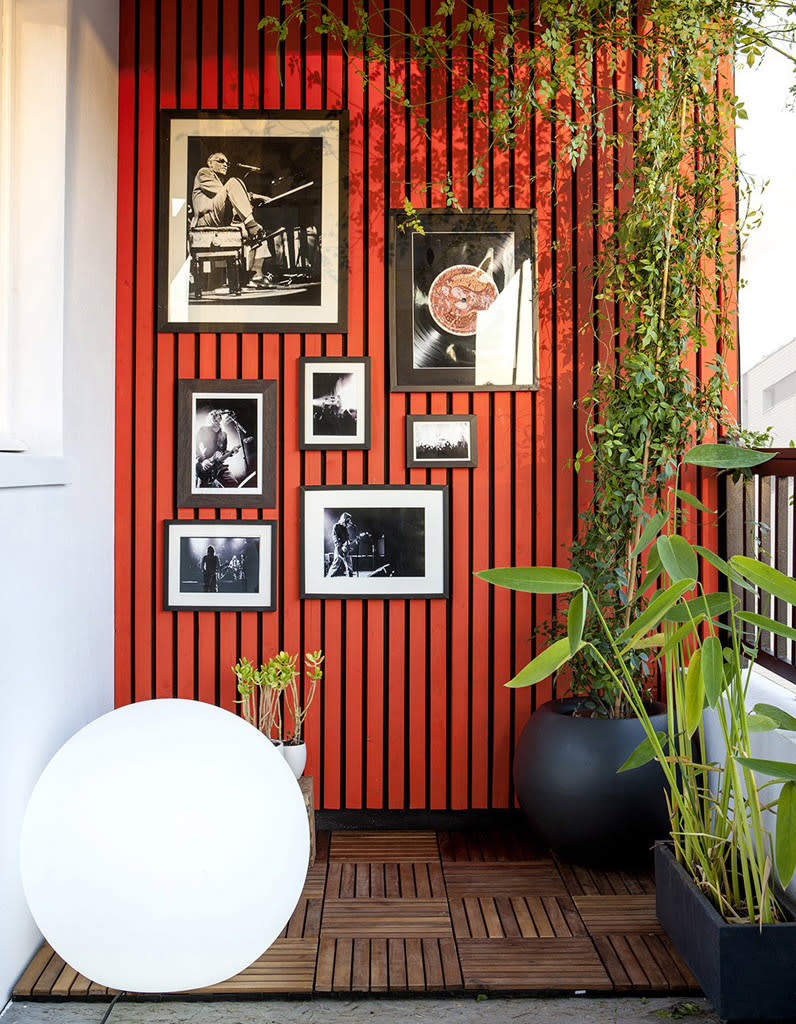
{"x": 767, "y": 149}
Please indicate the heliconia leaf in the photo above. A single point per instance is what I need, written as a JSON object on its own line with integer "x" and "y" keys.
{"x": 712, "y": 670}
{"x": 543, "y": 665}
{"x": 652, "y": 529}
{"x": 785, "y": 842}
{"x": 655, "y": 611}
{"x": 678, "y": 557}
{"x": 707, "y": 605}
{"x": 784, "y": 770}
{"x": 644, "y": 753}
{"x": 694, "y": 693}
{"x": 576, "y": 619}
{"x": 534, "y": 579}
{"x": 689, "y": 499}
{"x": 646, "y": 642}
{"x": 759, "y": 723}
{"x": 725, "y": 456}
{"x": 718, "y": 563}
{"x": 782, "y": 718}
{"x": 766, "y": 577}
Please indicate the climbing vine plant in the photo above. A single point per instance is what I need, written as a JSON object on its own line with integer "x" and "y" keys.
{"x": 664, "y": 276}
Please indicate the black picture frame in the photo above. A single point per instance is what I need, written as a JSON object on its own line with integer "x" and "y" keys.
{"x": 463, "y": 301}
{"x": 446, "y": 449}
{"x": 397, "y": 547}
{"x": 216, "y": 279}
{"x": 334, "y": 403}
{"x": 241, "y": 471}
{"x": 249, "y": 585}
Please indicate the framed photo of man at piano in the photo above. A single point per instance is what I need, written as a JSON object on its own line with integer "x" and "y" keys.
{"x": 253, "y": 221}
{"x": 219, "y": 565}
{"x": 226, "y": 443}
{"x": 463, "y": 304}
{"x": 374, "y": 541}
{"x": 334, "y": 402}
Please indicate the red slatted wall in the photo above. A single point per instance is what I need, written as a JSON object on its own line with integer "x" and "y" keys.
{"x": 411, "y": 713}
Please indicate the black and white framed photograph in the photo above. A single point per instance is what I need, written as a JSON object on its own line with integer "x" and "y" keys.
{"x": 226, "y": 443}
{"x": 253, "y": 221}
{"x": 334, "y": 402}
{"x": 220, "y": 565}
{"x": 441, "y": 442}
{"x": 463, "y": 307}
{"x": 374, "y": 541}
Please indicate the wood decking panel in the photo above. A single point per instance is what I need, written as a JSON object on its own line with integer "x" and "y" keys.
{"x": 607, "y": 914}
{"x": 528, "y": 964}
{"x": 384, "y": 846}
{"x": 492, "y": 878}
{"x": 385, "y": 918}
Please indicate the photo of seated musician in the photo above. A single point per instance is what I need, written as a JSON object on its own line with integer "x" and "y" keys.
{"x": 379, "y": 542}
{"x": 270, "y": 188}
{"x": 225, "y": 448}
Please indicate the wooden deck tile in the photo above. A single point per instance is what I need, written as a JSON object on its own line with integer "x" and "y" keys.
{"x": 24, "y": 987}
{"x": 288, "y": 966}
{"x": 496, "y": 879}
{"x": 384, "y": 846}
{"x": 385, "y": 918}
{"x": 618, "y": 914}
{"x": 532, "y": 964}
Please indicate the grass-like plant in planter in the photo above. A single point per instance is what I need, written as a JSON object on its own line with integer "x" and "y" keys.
{"x": 705, "y": 646}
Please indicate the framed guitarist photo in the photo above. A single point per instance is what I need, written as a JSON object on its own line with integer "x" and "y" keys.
{"x": 226, "y": 443}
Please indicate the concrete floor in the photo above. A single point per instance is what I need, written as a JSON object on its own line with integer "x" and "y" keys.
{"x": 609, "y": 1010}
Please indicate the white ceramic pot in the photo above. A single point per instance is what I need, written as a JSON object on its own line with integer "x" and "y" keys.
{"x": 278, "y": 744}
{"x": 296, "y": 757}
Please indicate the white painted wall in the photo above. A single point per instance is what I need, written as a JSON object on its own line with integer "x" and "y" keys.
{"x": 775, "y": 746}
{"x": 56, "y": 597}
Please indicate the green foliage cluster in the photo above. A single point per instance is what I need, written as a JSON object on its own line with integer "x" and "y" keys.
{"x": 270, "y": 694}
{"x": 664, "y": 276}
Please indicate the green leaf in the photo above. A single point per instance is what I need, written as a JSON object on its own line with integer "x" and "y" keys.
{"x": 689, "y": 499}
{"x": 706, "y": 605}
{"x": 646, "y": 642}
{"x": 785, "y": 842}
{"x": 782, "y": 718}
{"x": 771, "y": 625}
{"x": 712, "y": 670}
{"x": 725, "y": 456}
{"x": 783, "y": 770}
{"x": 644, "y": 753}
{"x": 718, "y": 563}
{"x": 694, "y": 693}
{"x": 534, "y": 579}
{"x": 760, "y": 723}
{"x": 678, "y": 557}
{"x": 766, "y": 577}
{"x": 679, "y": 634}
{"x": 650, "y": 530}
{"x": 655, "y": 611}
{"x": 544, "y": 664}
{"x": 576, "y": 619}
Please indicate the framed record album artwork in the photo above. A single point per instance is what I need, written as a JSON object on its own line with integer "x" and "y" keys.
{"x": 226, "y": 443}
{"x": 463, "y": 307}
{"x": 253, "y": 216}
{"x": 374, "y": 541}
{"x": 334, "y": 402}
{"x": 220, "y": 565}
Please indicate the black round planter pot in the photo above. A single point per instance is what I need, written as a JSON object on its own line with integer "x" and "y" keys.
{"x": 565, "y": 775}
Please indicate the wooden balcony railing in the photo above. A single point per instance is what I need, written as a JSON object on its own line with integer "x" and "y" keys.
{"x": 761, "y": 523}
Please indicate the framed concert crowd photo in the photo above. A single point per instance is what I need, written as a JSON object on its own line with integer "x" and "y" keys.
{"x": 334, "y": 403}
{"x": 463, "y": 307}
{"x": 226, "y": 443}
{"x": 220, "y": 565}
{"x": 253, "y": 215}
{"x": 441, "y": 442}
{"x": 374, "y": 542}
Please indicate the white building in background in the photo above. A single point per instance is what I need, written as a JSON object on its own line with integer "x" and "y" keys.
{"x": 768, "y": 394}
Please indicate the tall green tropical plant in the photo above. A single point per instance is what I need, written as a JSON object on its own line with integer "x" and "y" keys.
{"x": 705, "y": 646}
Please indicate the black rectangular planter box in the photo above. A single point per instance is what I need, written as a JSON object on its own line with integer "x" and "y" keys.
{"x": 745, "y": 973}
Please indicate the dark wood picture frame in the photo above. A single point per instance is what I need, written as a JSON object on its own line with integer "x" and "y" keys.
{"x": 266, "y": 141}
{"x": 257, "y": 440}
{"x": 384, "y": 565}
{"x": 415, "y": 462}
{"x": 310, "y": 438}
{"x": 489, "y": 257}
{"x": 228, "y": 599}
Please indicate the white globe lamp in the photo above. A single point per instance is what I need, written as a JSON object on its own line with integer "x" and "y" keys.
{"x": 164, "y": 847}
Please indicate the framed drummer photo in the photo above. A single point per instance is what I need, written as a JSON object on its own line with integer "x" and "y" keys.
{"x": 226, "y": 443}
{"x": 253, "y": 221}
{"x": 463, "y": 302}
